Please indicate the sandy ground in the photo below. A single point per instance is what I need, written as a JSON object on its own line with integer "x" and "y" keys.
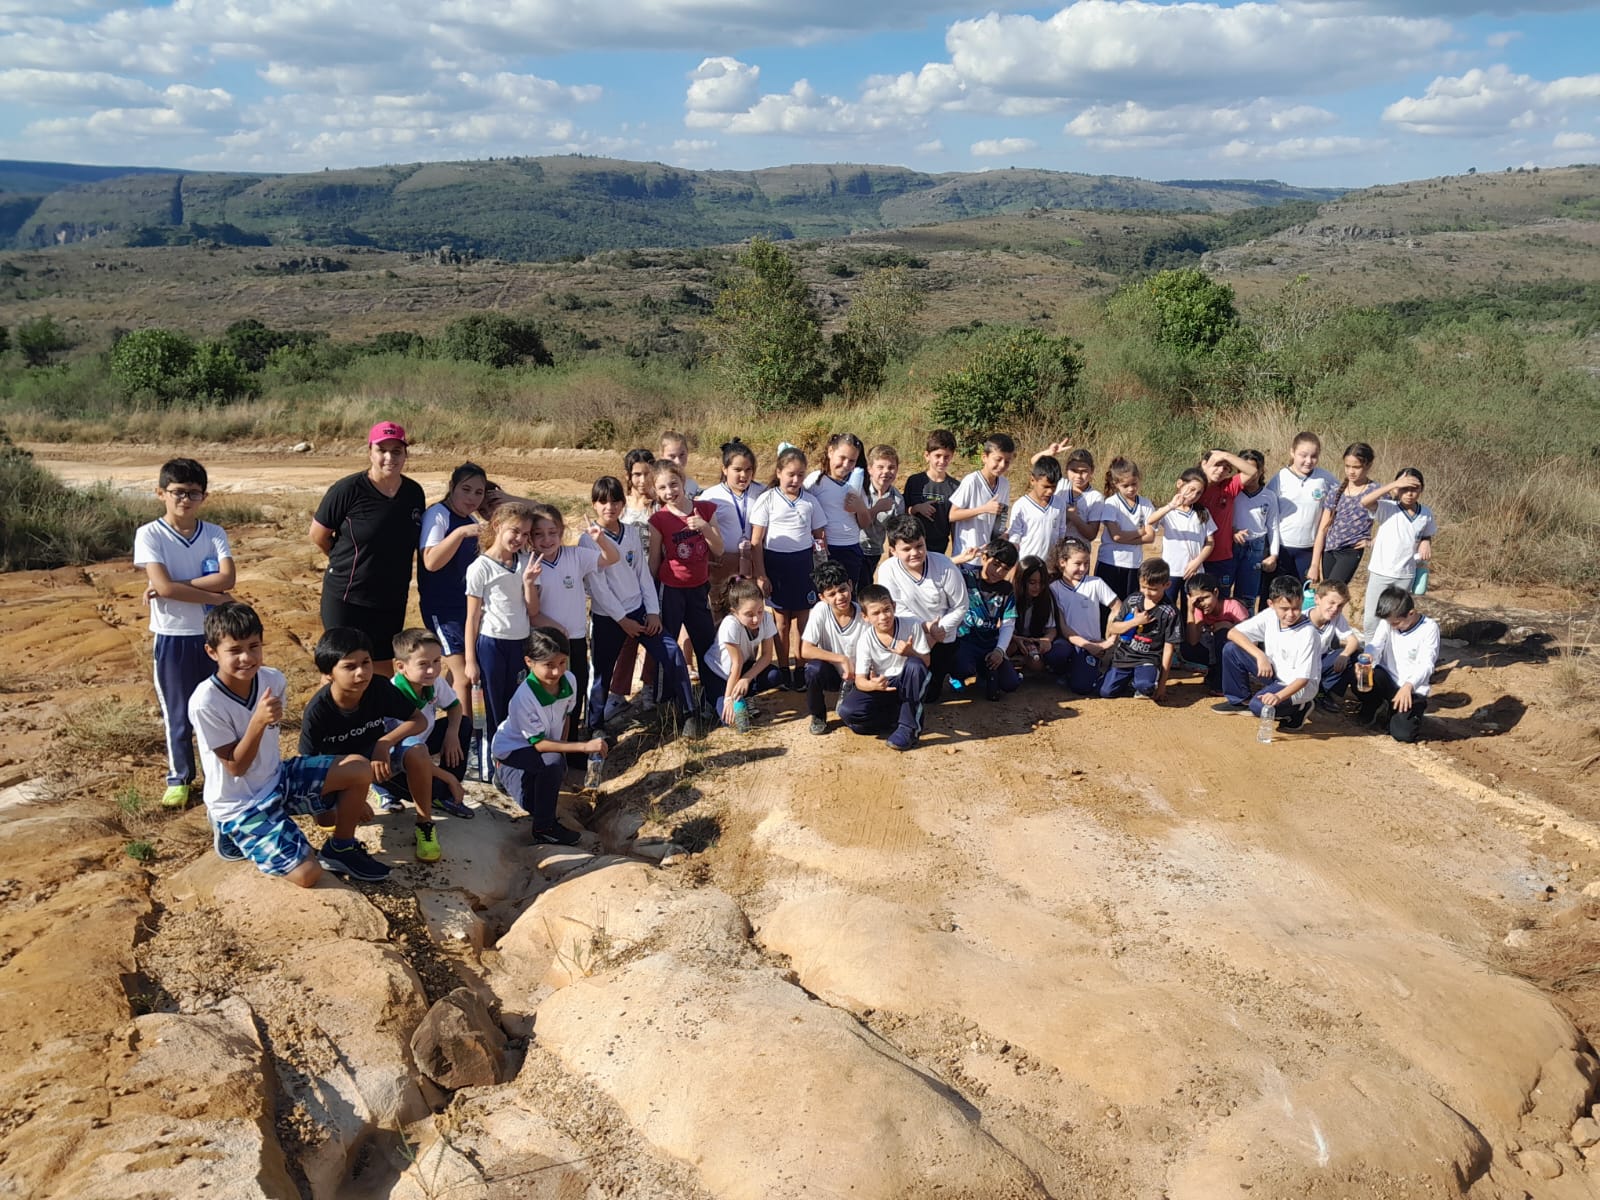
{"x": 1137, "y": 940}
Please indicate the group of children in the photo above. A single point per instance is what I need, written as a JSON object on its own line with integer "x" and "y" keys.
{"x": 825, "y": 580}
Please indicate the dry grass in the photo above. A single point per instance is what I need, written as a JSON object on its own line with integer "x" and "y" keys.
{"x": 108, "y": 728}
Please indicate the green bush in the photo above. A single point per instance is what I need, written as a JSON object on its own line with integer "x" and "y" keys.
{"x": 1184, "y": 309}
{"x": 215, "y": 373}
{"x": 494, "y": 339}
{"x": 152, "y": 360}
{"x": 44, "y": 523}
{"x": 765, "y": 338}
{"x": 1016, "y": 376}
{"x": 41, "y": 340}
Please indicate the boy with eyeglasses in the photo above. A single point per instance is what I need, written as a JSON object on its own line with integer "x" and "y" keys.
{"x": 189, "y": 569}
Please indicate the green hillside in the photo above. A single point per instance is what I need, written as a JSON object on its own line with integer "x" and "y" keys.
{"x": 544, "y": 208}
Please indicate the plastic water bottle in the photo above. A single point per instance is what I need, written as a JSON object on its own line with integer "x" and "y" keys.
{"x": 741, "y": 715}
{"x": 594, "y": 773}
{"x": 1308, "y": 596}
{"x": 1419, "y": 582}
{"x": 819, "y": 551}
{"x": 1269, "y": 721}
{"x": 480, "y": 743}
{"x": 1364, "y": 673}
{"x": 956, "y": 684}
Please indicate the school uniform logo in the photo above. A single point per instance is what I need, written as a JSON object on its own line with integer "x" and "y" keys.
{"x": 566, "y": 582}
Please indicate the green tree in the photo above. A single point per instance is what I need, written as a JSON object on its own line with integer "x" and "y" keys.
{"x": 495, "y": 340}
{"x": 879, "y": 328}
{"x": 5, "y": 339}
{"x": 1016, "y": 375}
{"x": 216, "y": 373}
{"x": 40, "y": 340}
{"x": 765, "y": 339}
{"x": 152, "y": 360}
{"x": 1184, "y": 309}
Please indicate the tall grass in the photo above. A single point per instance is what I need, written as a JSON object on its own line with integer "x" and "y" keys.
{"x": 45, "y": 523}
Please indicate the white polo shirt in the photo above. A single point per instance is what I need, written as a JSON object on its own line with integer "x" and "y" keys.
{"x": 1295, "y": 653}
{"x": 1079, "y": 609}
{"x": 184, "y": 558}
{"x": 499, "y": 588}
{"x": 1394, "y": 546}
{"x": 873, "y": 655}
{"x": 563, "y": 588}
{"x": 221, "y": 718}
{"x": 791, "y": 525}
{"x": 1036, "y": 528}
{"x": 825, "y": 633}
{"x": 974, "y": 490}
{"x": 1300, "y": 501}
{"x": 1409, "y": 657}
{"x": 939, "y": 595}
{"x": 1125, "y": 518}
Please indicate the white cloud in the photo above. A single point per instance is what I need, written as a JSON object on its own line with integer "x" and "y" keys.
{"x": 1120, "y": 49}
{"x": 721, "y": 85}
{"x": 1133, "y": 125}
{"x": 1575, "y": 141}
{"x": 933, "y": 147}
{"x": 1492, "y": 101}
{"x": 1294, "y": 149}
{"x": 694, "y": 145}
{"x": 26, "y": 85}
{"x": 181, "y": 110}
{"x": 1499, "y": 41}
{"x": 1003, "y": 147}
{"x": 801, "y": 111}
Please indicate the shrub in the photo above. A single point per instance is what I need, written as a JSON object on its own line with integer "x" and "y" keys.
{"x": 1184, "y": 309}
{"x": 152, "y": 360}
{"x": 253, "y": 342}
{"x": 215, "y": 373}
{"x": 1016, "y": 376}
{"x": 766, "y": 341}
{"x": 880, "y": 326}
{"x": 41, "y": 339}
{"x": 495, "y": 340}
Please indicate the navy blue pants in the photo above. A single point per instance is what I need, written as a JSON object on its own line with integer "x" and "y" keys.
{"x": 1294, "y": 561}
{"x": 1123, "y": 581}
{"x": 499, "y": 668}
{"x": 605, "y": 645}
{"x": 877, "y": 712}
{"x": 969, "y": 661}
{"x": 1240, "y": 683}
{"x": 1141, "y": 680}
{"x": 688, "y": 608}
{"x": 821, "y": 678}
{"x": 1247, "y": 572}
{"x": 1080, "y": 668}
{"x": 534, "y": 784}
{"x": 181, "y": 665}
{"x": 850, "y": 558}
{"x": 1377, "y": 708}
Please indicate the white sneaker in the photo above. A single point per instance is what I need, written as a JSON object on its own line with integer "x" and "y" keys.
{"x": 614, "y": 705}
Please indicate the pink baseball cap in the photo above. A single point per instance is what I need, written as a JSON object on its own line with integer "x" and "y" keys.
{"x": 386, "y": 431}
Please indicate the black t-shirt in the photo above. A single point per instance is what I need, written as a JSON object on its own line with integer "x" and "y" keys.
{"x": 1141, "y": 646}
{"x": 325, "y": 728}
{"x": 374, "y": 541}
{"x": 920, "y": 489}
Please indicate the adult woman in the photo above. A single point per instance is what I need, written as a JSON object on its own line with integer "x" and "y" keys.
{"x": 367, "y": 525}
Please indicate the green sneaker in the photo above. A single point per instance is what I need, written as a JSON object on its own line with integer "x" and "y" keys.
{"x": 427, "y": 844}
{"x": 176, "y": 796}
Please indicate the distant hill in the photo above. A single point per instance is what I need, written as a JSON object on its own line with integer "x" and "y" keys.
{"x": 545, "y": 208}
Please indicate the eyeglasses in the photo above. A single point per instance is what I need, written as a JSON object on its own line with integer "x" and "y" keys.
{"x": 192, "y": 495}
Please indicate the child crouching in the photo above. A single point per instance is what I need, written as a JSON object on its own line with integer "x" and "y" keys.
{"x": 251, "y": 794}
{"x": 530, "y": 745}
{"x": 891, "y": 673}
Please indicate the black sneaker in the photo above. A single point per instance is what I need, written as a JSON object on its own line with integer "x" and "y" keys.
{"x": 1228, "y": 706}
{"x": 556, "y": 835}
{"x": 446, "y": 803}
{"x": 353, "y": 862}
{"x": 1329, "y": 703}
{"x": 819, "y": 725}
{"x": 991, "y": 688}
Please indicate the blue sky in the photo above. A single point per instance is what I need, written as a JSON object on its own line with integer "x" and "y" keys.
{"x": 1349, "y": 92}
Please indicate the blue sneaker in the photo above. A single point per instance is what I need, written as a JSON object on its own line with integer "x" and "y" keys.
{"x": 224, "y": 845}
{"x": 903, "y": 738}
{"x": 388, "y": 802}
{"x": 446, "y": 803}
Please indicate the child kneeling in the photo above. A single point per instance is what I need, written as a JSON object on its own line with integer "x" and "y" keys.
{"x": 251, "y": 794}
{"x": 1404, "y": 650}
{"x": 741, "y": 661}
{"x": 891, "y": 673}
{"x": 530, "y": 747}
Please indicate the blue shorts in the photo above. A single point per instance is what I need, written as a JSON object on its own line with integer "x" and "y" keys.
{"x": 452, "y": 634}
{"x": 265, "y": 832}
